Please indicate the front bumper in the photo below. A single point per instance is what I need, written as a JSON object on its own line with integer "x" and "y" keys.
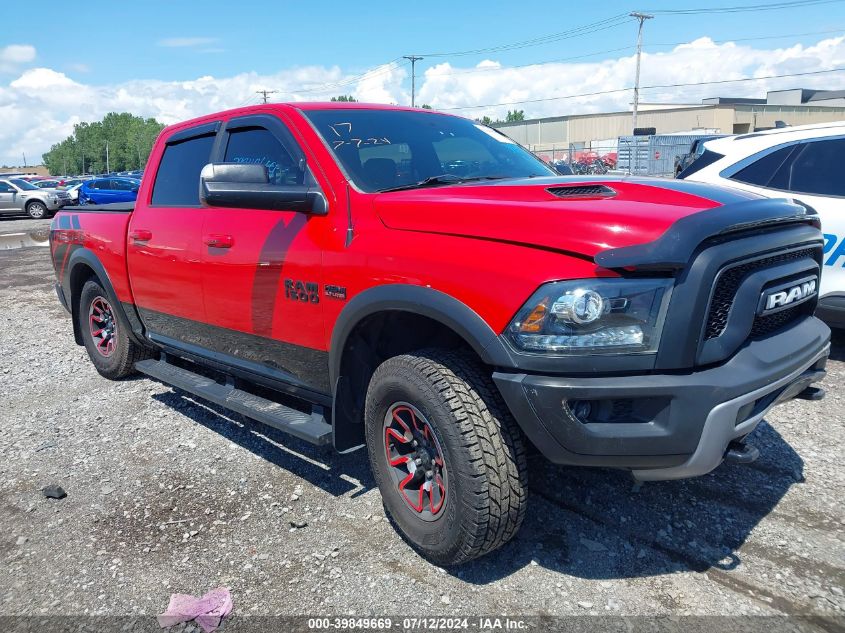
{"x": 672, "y": 425}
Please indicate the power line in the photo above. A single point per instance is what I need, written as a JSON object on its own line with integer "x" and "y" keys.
{"x": 627, "y": 48}
{"x": 380, "y": 70}
{"x": 618, "y": 90}
{"x": 769, "y": 6}
{"x": 587, "y": 29}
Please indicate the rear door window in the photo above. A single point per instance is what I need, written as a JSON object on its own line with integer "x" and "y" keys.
{"x": 258, "y": 146}
{"x": 123, "y": 185}
{"x": 771, "y": 170}
{"x": 178, "y": 177}
{"x": 818, "y": 169}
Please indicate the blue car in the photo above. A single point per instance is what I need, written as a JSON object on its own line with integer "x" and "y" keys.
{"x": 105, "y": 190}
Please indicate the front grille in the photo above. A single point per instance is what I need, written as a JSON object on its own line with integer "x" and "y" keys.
{"x": 728, "y": 283}
{"x": 768, "y": 323}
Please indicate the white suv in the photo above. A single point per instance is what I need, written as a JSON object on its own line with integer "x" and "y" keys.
{"x": 806, "y": 163}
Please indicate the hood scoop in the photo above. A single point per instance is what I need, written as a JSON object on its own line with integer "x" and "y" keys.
{"x": 570, "y": 192}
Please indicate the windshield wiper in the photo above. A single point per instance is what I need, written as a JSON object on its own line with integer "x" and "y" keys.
{"x": 442, "y": 179}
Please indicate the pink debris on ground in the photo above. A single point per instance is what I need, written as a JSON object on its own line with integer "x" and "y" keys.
{"x": 208, "y": 611}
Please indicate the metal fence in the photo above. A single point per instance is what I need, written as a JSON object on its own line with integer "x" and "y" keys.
{"x": 598, "y": 159}
{"x": 642, "y": 155}
{"x": 654, "y": 155}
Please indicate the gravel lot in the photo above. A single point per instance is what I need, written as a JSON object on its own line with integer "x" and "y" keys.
{"x": 168, "y": 494}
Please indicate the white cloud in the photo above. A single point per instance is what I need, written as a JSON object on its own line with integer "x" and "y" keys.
{"x": 186, "y": 42}
{"x": 14, "y": 55}
{"x": 41, "y": 105}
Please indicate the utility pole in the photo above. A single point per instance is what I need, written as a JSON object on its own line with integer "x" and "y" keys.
{"x": 264, "y": 94}
{"x": 24, "y": 158}
{"x": 413, "y": 59}
{"x": 108, "y": 168}
{"x": 642, "y": 17}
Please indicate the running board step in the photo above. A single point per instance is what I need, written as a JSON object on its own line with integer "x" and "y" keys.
{"x": 311, "y": 428}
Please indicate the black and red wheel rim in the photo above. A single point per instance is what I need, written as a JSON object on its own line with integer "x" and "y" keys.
{"x": 415, "y": 461}
{"x": 103, "y": 326}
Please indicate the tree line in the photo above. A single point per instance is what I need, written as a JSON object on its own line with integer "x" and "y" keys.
{"x": 129, "y": 140}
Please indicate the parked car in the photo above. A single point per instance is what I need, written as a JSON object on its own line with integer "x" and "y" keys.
{"x": 107, "y": 190}
{"x": 696, "y": 149}
{"x": 48, "y": 184}
{"x": 73, "y": 192}
{"x": 562, "y": 167}
{"x": 282, "y": 263}
{"x": 803, "y": 162}
{"x": 18, "y": 196}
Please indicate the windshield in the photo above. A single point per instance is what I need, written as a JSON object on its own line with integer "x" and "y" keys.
{"x": 23, "y": 184}
{"x": 385, "y": 149}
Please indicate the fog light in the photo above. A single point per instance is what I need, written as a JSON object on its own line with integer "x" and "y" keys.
{"x": 580, "y": 409}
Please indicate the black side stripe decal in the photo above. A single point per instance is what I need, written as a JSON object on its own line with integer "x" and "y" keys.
{"x": 268, "y": 275}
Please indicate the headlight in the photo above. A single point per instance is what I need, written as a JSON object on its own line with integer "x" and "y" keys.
{"x": 593, "y": 316}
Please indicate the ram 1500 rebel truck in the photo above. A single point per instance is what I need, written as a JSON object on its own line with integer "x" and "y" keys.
{"x": 420, "y": 285}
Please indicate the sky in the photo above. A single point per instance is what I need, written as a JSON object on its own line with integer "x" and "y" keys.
{"x": 177, "y": 59}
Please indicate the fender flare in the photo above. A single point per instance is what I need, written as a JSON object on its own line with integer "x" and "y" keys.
{"x": 424, "y": 301}
{"x": 83, "y": 256}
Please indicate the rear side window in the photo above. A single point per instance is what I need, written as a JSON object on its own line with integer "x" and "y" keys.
{"x": 258, "y": 146}
{"x": 818, "y": 168}
{"x": 771, "y": 170}
{"x": 123, "y": 185}
{"x": 178, "y": 178}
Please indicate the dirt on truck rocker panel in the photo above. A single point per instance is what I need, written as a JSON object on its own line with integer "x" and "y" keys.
{"x": 419, "y": 286}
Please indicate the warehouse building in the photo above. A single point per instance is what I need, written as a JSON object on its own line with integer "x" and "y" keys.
{"x": 716, "y": 115}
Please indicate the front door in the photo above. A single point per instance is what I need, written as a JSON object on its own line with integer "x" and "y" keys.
{"x": 164, "y": 248}
{"x": 262, "y": 273}
{"x": 7, "y": 197}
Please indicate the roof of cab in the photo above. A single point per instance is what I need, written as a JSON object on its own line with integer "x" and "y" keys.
{"x": 303, "y": 106}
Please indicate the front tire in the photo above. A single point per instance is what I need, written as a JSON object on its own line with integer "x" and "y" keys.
{"x": 36, "y": 210}
{"x": 446, "y": 454}
{"x": 105, "y": 333}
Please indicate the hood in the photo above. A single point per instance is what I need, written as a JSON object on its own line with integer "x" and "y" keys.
{"x": 625, "y": 212}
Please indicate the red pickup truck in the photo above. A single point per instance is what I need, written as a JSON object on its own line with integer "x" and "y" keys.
{"x": 419, "y": 284}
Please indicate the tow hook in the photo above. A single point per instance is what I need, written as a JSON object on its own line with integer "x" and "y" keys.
{"x": 811, "y": 393}
{"x": 741, "y": 453}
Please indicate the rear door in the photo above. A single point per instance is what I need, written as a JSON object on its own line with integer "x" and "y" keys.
{"x": 810, "y": 171}
{"x": 124, "y": 190}
{"x": 164, "y": 252}
{"x": 261, "y": 269}
{"x": 817, "y": 177}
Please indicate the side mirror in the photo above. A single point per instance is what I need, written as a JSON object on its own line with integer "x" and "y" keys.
{"x": 247, "y": 186}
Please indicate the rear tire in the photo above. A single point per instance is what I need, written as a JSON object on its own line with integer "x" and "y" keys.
{"x": 36, "y": 210}
{"x": 484, "y": 472}
{"x": 105, "y": 333}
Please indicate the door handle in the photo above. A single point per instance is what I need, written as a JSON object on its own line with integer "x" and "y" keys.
{"x": 141, "y": 235}
{"x": 219, "y": 241}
